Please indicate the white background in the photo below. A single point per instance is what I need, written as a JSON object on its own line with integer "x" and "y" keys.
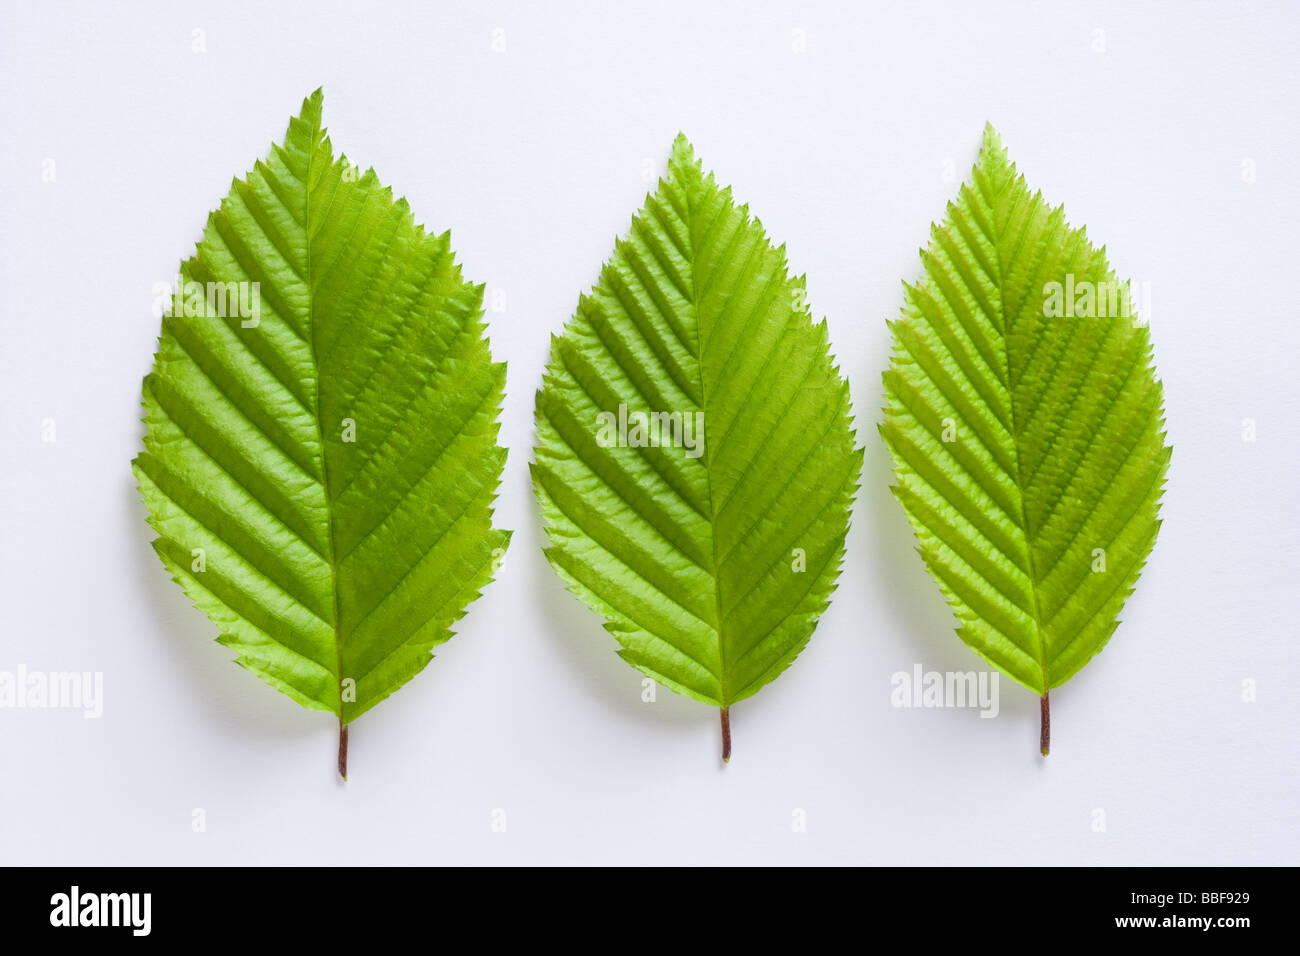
{"x": 534, "y": 158}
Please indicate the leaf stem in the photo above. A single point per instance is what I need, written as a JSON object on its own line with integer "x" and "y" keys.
{"x": 726, "y": 735}
{"x": 343, "y": 751}
{"x": 1045, "y": 733}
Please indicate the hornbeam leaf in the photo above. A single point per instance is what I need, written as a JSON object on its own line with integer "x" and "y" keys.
{"x": 1027, "y": 429}
{"x": 695, "y": 461}
{"x": 321, "y": 456}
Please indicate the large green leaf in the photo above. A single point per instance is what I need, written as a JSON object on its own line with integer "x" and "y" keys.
{"x": 321, "y": 473}
{"x": 1027, "y": 429}
{"x": 711, "y": 556}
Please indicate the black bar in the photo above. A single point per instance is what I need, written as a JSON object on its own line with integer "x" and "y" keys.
{"x": 268, "y": 905}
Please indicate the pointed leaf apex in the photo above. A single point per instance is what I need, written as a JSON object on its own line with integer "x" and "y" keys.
{"x": 312, "y": 107}
{"x": 993, "y": 152}
{"x": 683, "y": 154}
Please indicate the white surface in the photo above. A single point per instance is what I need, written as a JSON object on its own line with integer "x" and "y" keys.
{"x": 534, "y": 158}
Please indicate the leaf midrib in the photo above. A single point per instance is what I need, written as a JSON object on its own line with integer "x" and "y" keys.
{"x": 309, "y": 278}
{"x": 707, "y": 455}
{"x": 1015, "y": 436}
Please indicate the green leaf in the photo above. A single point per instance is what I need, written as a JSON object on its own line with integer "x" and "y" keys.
{"x": 321, "y": 460}
{"x": 1027, "y": 429}
{"x": 711, "y": 553}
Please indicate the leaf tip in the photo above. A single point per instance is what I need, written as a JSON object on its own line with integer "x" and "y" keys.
{"x": 312, "y": 106}
{"x": 993, "y": 148}
{"x": 683, "y": 154}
